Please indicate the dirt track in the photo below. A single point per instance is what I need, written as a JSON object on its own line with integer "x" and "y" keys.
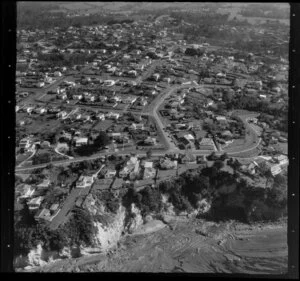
{"x": 193, "y": 246}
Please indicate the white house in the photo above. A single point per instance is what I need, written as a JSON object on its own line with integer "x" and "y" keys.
{"x": 57, "y": 74}
{"x": 25, "y": 143}
{"x": 189, "y": 137}
{"x": 109, "y": 83}
{"x": 61, "y": 114}
{"x": 139, "y": 126}
{"x": 44, "y": 184}
{"x": 35, "y": 203}
{"x": 110, "y": 174}
{"x": 77, "y": 96}
{"x": 275, "y": 169}
{"x": 113, "y": 115}
{"x": 27, "y": 191}
{"x": 150, "y": 141}
{"x": 40, "y": 84}
{"x": 29, "y": 109}
{"x": 282, "y": 160}
{"x": 84, "y": 181}
{"x": 156, "y": 76}
{"x": 101, "y": 116}
{"x": 220, "y": 118}
{"x": 41, "y": 110}
{"x": 81, "y": 141}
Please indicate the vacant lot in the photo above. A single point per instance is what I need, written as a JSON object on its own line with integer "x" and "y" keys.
{"x": 39, "y": 124}
{"x": 103, "y": 125}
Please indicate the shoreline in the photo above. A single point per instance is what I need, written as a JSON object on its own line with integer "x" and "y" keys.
{"x": 221, "y": 242}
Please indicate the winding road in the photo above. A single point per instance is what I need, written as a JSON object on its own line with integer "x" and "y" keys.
{"x": 170, "y": 146}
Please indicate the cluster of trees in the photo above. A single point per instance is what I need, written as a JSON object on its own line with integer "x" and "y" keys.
{"x": 243, "y": 202}
{"x": 119, "y": 21}
{"x": 110, "y": 202}
{"x": 260, "y": 45}
{"x": 194, "y": 52}
{"x": 93, "y": 145}
{"x": 29, "y": 233}
{"x": 249, "y": 103}
{"x": 38, "y": 16}
{"x": 265, "y": 11}
{"x": 147, "y": 200}
{"x": 280, "y": 123}
{"x": 215, "y": 128}
{"x": 41, "y": 158}
{"x": 79, "y": 230}
{"x": 58, "y": 59}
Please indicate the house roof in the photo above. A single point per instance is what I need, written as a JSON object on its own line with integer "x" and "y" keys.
{"x": 207, "y": 141}
{"x": 148, "y": 164}
{"x": 226, "y": 133}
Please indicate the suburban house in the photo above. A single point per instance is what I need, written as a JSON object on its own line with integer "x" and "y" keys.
{"x": 47, "y": 214}
{"x": 226, "y": 135}
{"x": 35, "y": 203}
{"x": 57, "y": 74}
{"x": 110, "y": 173}
{"x": 221, "y": 118}
{"x": 281, "y": 160}
{"x": 129, "y": 100}
{"x": 149, "y": 171}
{"x": 207, "y": 144}
{"x": 61, "y": 114}
{"x": 84, "y": 181}
{"x": 77, "y": 96}
{"x": 252, "y": 167}
{"x": 150, "y": 141}
{"x": 274, "y": 169}
{"x": 26, "y": 191}
{"x": 189, "y": 137}
{"x": 101, "y": 116}
{"x": 44, "y": 184}
{"x": 113, "y": 115}
{"x": 81, "y": 141}
{"x": 25, "y": 143}
{"x": 135, "y": 126}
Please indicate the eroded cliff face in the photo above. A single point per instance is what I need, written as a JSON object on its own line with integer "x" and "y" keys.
{"x": 136, "y": 219}
{"x": 39, "y": 257}
{"x": 108, "y": 236}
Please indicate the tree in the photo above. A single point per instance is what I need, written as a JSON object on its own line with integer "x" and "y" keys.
{"x": 149, "y": 153}
{"x": 101, "y": 140}
{"x": 219, "y": 164}
{"x": 41, "y": 158}
{"x": 280, "y": 180}
{"x": 212, "y": 156}
{"x": 26, "y": 218}
{"x": 80, "y": 228}
{"x": 224, "y": 156}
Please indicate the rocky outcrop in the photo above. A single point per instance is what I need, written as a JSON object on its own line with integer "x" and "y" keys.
{"x": 203, "y": 206}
